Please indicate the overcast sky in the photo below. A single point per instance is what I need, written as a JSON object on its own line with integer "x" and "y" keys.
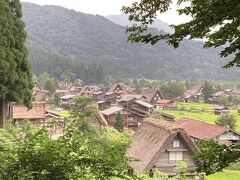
{"x": 105, "y": 7}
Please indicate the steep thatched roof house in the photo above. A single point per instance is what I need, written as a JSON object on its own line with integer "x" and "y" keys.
{"x": 115, "y": 88}
{"x": 160, "y": 145}
{"x": 37, "y": 85}
{"x": 152, "y": 95}
{"x": 41, "y": 95}
{"x": 194, "y": 94}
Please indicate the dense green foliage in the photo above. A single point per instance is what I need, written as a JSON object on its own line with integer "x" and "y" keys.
{"x": 15, "y": 70}
{"x": 227, "y": 120}
{"x": 50, "y": 85}
{"x": 221, "y": 29}
{"x": 59, "y": 39}
{"x": 173, "y": 90}
{"x": 30, "y": 154}
{"x": 215, "y": 157}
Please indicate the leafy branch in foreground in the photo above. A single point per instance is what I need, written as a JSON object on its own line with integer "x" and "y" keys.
{"x": 215, "y": 157}
{"x": 217, "y": 21}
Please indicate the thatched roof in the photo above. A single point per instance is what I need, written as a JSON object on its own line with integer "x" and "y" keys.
{"x": 41, "y": 95}
{"x": 38, "y": 111}
{"x": 150, "y": 93}
{"x": 113, "y": 87}
{"x": 153, "y": 138}
{"x": 194, "y": 91}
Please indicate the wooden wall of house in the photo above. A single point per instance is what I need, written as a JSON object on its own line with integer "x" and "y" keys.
{"x": 167, "y": 166}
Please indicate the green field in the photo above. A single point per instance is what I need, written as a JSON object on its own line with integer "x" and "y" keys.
{"x": 226, "y": 175}
{"x": 200, "y": 111}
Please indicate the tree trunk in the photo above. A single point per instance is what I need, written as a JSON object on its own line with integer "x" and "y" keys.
{"x": 4, "y": 112}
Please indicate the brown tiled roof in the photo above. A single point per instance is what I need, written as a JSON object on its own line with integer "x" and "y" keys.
{"x": 151, "y": 139}
{"x": 201, "y": 130}
{"x": 38, "y": 111}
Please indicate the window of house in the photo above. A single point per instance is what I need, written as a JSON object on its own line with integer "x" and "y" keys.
{"x": 176, "y": 156}
{"x": 176, "y": 143}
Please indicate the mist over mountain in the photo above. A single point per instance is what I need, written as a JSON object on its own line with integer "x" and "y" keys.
{"x": 122, "y": 20}
{"x": 62, "y": 40}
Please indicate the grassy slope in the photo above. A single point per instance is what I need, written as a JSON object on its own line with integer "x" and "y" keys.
{"x": 226, "y": 175}
{"x": 200, "y": 111}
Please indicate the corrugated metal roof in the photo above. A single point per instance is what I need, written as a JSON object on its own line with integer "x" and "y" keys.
{"x": 201, "y": 130}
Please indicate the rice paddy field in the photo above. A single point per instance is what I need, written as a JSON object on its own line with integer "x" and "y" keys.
{"x": 200, "y": 111}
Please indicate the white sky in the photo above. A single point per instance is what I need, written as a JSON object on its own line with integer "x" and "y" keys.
{"x": 106, "y": 7}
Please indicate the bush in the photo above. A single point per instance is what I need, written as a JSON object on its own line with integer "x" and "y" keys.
{"x": 227, "y": 120}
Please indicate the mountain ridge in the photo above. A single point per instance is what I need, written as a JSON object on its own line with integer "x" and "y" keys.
{"x": 66, "y": 36}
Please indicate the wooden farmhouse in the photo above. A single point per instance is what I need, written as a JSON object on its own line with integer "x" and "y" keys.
{"x": 159, "y": 145}
{"x": 98, "y": 96}
{"x": 41, "y": 95}
{"x": 89, "y": 90}
{"x": 103, "y": 105}
{"x": 110, "y": 97}
{"x": 37, "y": 85}
{"x": 199, "y": 130}
{"x": 165, "y": 104}
{"x": 67, "y": 101}
{"x": 111, "y": 113}
{"x": 36, "y": 115}
{"x": 115, "y": 88}
{"x": 62, "y": 92}
{"x": 194, "y": 95}
{"x": 152, "y": 95}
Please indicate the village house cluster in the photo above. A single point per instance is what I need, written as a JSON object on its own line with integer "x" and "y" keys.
{"x": 159, "y": 142}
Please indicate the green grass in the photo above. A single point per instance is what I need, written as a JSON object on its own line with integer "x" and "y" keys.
{"x": 199, "y": 106}
{"x": 64, "y": 114}
{"x": 226, "y": 175}
{"x": 200, "y": 111}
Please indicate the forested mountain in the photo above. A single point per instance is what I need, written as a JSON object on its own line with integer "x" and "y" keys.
{"x": 64, "y": 41}
{"x": 122, "y": 20}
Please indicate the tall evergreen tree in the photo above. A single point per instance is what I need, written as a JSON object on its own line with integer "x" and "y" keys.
{"x": 15, "y": 70}
{"x": 208, "y": 90}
